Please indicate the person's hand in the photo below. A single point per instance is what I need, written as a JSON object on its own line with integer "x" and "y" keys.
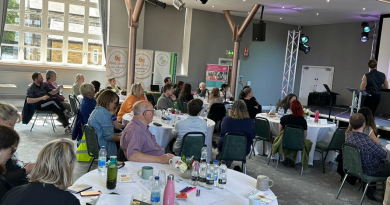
{"x": 165, "y": 158}
{"x": 256, "y": 107}
{"x": 66, "y": 100}
{"x": 45, "y": 97}
{"x": 29, "y": 167}
{"x": 173, "y": 97}
{"x": 117, "y": 91}
{"x": 61, "y": 86}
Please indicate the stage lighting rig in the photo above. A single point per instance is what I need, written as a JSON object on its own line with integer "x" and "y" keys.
{"x": 178, "y": 4}
{"x": 157, "y": 3}
{"x": 302, "y": 44}
{"x": 366, "y": 32}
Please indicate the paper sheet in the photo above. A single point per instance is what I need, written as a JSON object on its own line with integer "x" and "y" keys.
{"x": 111, "y": 199}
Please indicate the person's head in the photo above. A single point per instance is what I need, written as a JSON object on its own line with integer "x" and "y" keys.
{"x": 112, "y": 81}
{"x": 287, "y": 100}
{"x": 185, "y": 91}
{"x": 96, "y": 84}
{"x": 108, "y": 99}
{"x": 9, "y": 140}
{"x": 370, "y": 121}
{"x": 143, "y": 111}
{"x": 247, "y": 93}
{"x": 168, "y": 88}
{"x": 37, "y": 78}
{"x": 247, "y": 86}
{"x": 215, "y": 93}
{"x": 87, "y": 90}
{"x": 51, "y": 75}
{"x": 79, "y": 79}
{"x": 180, "y": 84}
{"x": 168, "y": 80}
{"x": 55, "y": 164}
{"x": 194, "y": 107}
{"x": 136, "y": 90}
{"x": 202, "y": 86}
{"x": 239, "y": 110}
{"x": 9, "y": 115}
{"x": 372, "y": 64}
{"x": 296, "y": 108}
{"x": 357, "y": 121}
{"x": 224, "y": 87}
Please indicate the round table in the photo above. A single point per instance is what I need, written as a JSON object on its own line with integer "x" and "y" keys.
{"x": 164, "y": 133}
{"x": 238, "y": 184}
{"x": 315, "y": 133}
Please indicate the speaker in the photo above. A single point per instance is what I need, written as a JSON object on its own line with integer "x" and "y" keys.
{"x": 258, "y": 31}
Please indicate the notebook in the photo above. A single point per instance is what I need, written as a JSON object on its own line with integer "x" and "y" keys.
{"x": 77, "y": 188}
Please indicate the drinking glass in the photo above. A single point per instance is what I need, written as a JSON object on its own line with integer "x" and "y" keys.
{"x": 162, "y": 176}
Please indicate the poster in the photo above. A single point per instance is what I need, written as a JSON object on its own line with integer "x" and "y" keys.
{"x": 216, "y": 75}
{"x": 143, "y": 68}
{"x": 165, "y": 64}
{"x": 117, "y": 65}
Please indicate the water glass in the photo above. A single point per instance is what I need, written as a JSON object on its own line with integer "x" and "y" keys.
{"x": 151, "y": 181}
{"x": 163, "y": 177}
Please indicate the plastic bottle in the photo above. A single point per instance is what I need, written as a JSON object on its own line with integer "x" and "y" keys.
{"x": 169, "y": 192}
{"x": 195, "y": 174}
{"x": 281, "y": 111}
{"x": 210, "y": 176}
{"x": 216, "y": 172}
{"x": 102, "y": 160}
{"x": 112, "y": 173}
{"x": 202, "y": 173}
{"x": 204, "y": 153}
{"x": 288, "y": 111}
{"x": 155, "y": 196}
{"x": 222, "y": 177}
{"x": 317, "y": 116}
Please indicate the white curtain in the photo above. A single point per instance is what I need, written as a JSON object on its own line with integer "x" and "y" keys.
{"x": 103, "y": 9}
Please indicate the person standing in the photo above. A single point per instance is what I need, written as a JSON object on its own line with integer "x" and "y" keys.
{"x": 77, "y": 84}
{"x": 372, "y": 83}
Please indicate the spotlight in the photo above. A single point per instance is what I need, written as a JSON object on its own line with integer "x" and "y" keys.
{"x": 178, "y": 4}
{"x": 203, "y": 1}
{"x": 302, "y": 44}
{"x": 304, "y": 48}
{"x": 304, "y": 38}
{"x": 364, "y": 37}
{"x": 157, "y": 3}
{"x": 366, "y": 27}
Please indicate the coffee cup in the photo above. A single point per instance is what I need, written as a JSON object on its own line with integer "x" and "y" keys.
{"x": 255, "y": 200}
{"x": 145, "y": 172}
{"x": 263, "y": 183}
{"x": 174, "y": 160}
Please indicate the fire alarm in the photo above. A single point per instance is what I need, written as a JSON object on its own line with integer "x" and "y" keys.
{"x": 246, "y": 52}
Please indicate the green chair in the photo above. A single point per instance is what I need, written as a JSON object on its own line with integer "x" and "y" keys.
{"x": 192, "y": 144}
{"x": 73, "y": 107}
{"x": 335, "y": 144}
{"x": 352, "y": 165}
{"x": 91, "y": 139}
{"x": 263, "y": 133}
{"x": 234, "y": 148}
{"x": 182, "y": 106}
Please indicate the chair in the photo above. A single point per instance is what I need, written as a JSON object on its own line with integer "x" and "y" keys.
{"x": 73, "y": 107}
{"x": 263, "y": 132}
{"x": 150, "y": 98}
{"x": 217, "y": 112}
{"x": 121, "y": 155}
{"x": 93, "y": 147}
{"x": 192, "y": 144}
{"x": 352, "y": 165}
{"x": 49, "y": 114}
{"x": 182, "y": 105}
{"x": 335, "y": 144}
{"x": 234, "y": 148}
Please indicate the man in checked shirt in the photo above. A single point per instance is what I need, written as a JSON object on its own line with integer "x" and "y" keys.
{"x": 373, "y": 156}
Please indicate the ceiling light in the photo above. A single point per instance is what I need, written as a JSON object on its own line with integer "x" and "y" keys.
{"x": 244, "y": 0}
{"x": 178, "y": 4}
{"x": 318, "y": 14}
{"x": 283, "y": 7}
{"x": 328, "y": 1}
{"x": 304, "y": 48}
{"x": 366, "y": 27}
{"x": 302, "y": 43}
{"x": 203, "y": 1}
{"x": 157, "y": 3}
{"x": 280, "y": 18}
{"x": 213, "y": 6}
{"x": 304, "y": 38}
{"x": 364, "y": 9}
{"x": 364, "y": 37}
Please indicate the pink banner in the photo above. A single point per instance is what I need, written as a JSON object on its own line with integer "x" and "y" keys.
{"x": 216, "y": 75}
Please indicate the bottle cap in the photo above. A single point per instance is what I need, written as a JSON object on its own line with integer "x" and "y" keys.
{"x": 103, "y": 147}
{"x": 156, "y": 178}
{"x": 204, "y": 160}
{"x": 112, "y": 158}
{"x": 215, "y": 161}
{"x": 171, "y": 177}
{"x": 205, "y": 145}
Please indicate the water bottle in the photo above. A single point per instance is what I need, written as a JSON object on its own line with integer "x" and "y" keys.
{"x": 202, "y": 173}
{"x": 317, "y": 116}
{"x": 288, "y": 111}
{"x": 156, "y": 192}
{"x": 195, "y": 174}
{"x": 210, "y": 176}
{"x": 281, "y": 112}
{"x": 169, "y": 192}
{"x": 204, "y": 153}
{"x": 222, "y": 177}
{"x": 102, "y": 159}
{"x": 112, "y": 173}
{"x": 216, "y": 170}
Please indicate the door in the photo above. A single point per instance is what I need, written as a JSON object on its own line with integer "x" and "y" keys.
{"x": 312, "y": 80}
{"x": 324, "y": 76}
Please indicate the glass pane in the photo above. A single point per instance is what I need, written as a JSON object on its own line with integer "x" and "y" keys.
{"x": 10, "y": 37}
{"x": 95, "y": 45}
{"x": 32, "y": 39}
{"x": 33, "y": 15}
{"x": 54, "y": 41}
{"x": 12, "y": 18}
{"x": 33, "y": 20}
{"x": 13, "y": 5}
{"x": 76, "y": 10}
{"x": 76, "y": 18}
{"x": 33, "y": 6}
{"x": 94, "y": 1}
{"x": 94, "y": 59}
{"x": 32, "y": 54}
{"x": 75, "y": 57}
{"x": 9, "y": 52}
{"x": 54, "y": 56}
{"x": 94, "y": 22}
{"x": 56, "y": 16}
{"x": 75, "y": 44}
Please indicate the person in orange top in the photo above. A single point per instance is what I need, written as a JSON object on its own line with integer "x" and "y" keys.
{"x": 136, "y": 94}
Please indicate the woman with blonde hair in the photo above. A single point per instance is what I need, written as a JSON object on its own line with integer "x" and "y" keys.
{"x": 215, "y": 97}
{"x": 50, "y": 178}
{"x": 77, "y": 84}
{"x": 136, "y": 94}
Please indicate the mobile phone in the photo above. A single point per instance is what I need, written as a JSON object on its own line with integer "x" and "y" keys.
{"x": 157, "y": 124}
{"x": 90, "y": 193}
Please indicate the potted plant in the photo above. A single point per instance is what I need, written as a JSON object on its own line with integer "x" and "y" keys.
{"x": 185, "y": 166}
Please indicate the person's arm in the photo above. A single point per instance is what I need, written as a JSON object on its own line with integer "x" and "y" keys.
{"x": 107, "y": 125}
{"x": 364, "y": 83}
{"x": 372, "y": 136}
{"x": 145, "y": 158}
{"x": 385, "y": 84}
{"x": 280, "y": 127}
{"x": 35, "y": 100}
{"x": 376, "y": 150}
{"x": 305, "y": 134}
{"x": 118, "y": 125}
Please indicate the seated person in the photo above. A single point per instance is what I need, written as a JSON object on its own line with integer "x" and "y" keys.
{"x": 185, "y": 94}
{"x": 137, "y": 142}
{"x": 117, "y": 126}
{"x": 215, "y": 97}
{"x": 225, "y": 93}
{"x": 76, "y": 86}
{"x": 167, "y": 81}
{"x": 178, "y": 88}
{"x": 113, "y": 86}
{"x": 136, "y": 94}
{"x": 96, "y": 84}
{"x": 253, "y": 106}
{"x": 296, "y": 118}
{"x": 50, "y": 178}
{"x": 201, "y": 91}
{"x": 167, "y": 99}
{"x": 192, "y": 124}
{"x": 101, "y": 120}
{"x": 286, "y": 102}
{"x": 371, "y": 130}
{"x": 51, "y": 77}
{"x": 39, "y": 92}
{"x": 88, "y": 103}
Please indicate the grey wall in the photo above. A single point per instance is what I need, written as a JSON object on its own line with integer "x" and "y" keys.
{"x": 338, "y": 46}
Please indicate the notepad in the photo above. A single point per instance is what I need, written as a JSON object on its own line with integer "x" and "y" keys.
{"x": 106, "y": 199}
{"x": 77, "y": 188}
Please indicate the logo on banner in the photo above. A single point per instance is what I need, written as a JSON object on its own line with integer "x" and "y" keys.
{"x": 117, "y": 62}
{"x": 143, "y": 65}
{"x": 162, "y": 59}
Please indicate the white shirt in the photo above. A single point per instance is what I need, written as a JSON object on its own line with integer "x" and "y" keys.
{"x": 228, "y": 95}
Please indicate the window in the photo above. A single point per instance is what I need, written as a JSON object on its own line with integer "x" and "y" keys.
{"x": 59, "y": 32}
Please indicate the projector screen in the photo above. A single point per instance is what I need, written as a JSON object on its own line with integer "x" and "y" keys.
{"x": 383, "y": 48}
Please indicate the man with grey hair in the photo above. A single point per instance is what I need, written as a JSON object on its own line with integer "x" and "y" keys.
{"x": 137, "y": 142}
{"x": 201, "y": 91}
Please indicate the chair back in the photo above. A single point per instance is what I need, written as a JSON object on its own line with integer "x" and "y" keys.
{"x": 182, "y": 106}
{"x": 192, "y": 144}
{"x": 352, "y": 164}
{"x": 91, "y": 139}
{"x": 150, "y": 98}
{"x": 234, "y": 147}
{"x": 263, "y": 131}
{"x": 293, "y": 138}
{"x": 217, "y": 112}
{"x": 73, "y": 104}
{"x": 338, "y": 139}
{"x": 121, "y": 155}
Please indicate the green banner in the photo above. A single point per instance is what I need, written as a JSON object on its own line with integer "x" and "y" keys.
{"x": 172, "y": 69}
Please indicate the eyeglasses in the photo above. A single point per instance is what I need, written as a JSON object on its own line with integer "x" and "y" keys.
{"x": 149, "y": 111}
{"x": 13, "y": 150}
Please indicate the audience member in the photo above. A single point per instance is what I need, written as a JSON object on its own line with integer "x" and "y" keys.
{"x": 167, "y": 99}
{"x": 76, "y": 86}
{"x": 88, "y": 103}
{"x": 50, "y": 178}
{"x": 38, "y": 94}
{"x": 96, "y": 84}
{"x": 101, "y": 120}
{"x": 215, "y": 97}
{"x": 167, "y": 81}
{"x": 51, "y": 77}
{"x": 117, "y": 126}
{"x": 370, "y": 129}
{"x": 253, "y": 107}
{"x": 192, "y": 124}
{"x": 177, "y": 89}
{"x": 136, "y": 94}
{"x": 137, "y": 142}
{"x": 225, "y": 93}
{"x": 9, "y": 141}
{"x": 286, "y": 102}
{"x": 113, "y": 86}
{"x": 185, "y": 93}
{"x": 202, "y": 90}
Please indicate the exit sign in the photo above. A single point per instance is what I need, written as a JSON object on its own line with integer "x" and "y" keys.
{"x": 229, "y": 52}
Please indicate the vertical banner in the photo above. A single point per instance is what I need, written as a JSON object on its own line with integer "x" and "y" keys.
{"x": 172, "y": 68}
{"x": 117, "y": 65}
{"x": 216, "y": 75}
{"x": 143, "y": 67}
{"x": 164, "y": 66}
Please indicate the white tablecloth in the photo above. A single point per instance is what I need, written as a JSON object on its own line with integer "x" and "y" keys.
{"x": 122, "y": 98}
{"x": 315, "y": 133}
{"x": 164, "y": 133}
{"x": 238, "y": 184}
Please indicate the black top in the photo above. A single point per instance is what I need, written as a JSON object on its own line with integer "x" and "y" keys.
{"x": 5, "y": 186}
{"x": 293, "y": 120}
{"x": 187, "y": 98}
{"x": 37, "y": 193}
{"x": 176, "y": 92}
{"x": 252, "y": 110}
{"x": 375, "y": 80}
{"x": 15, "y": 174}
{"x": 201, "y": 93}
{"x": 38, "y": 91}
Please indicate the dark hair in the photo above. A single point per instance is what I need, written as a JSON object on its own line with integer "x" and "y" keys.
{"x": 194, "y": 107}
{"x": 185, "y": 91}
{"x": 111, "y": 79}
{"x": 8, "y": 138}
{"x": 245, "y": 92}
{"x": 166, "y": 79}
{"x": 357, "y": 121}
{"x": 286, "y": 101}
{"x": 167, "y": 87}
{"x": 296, "y": 108}
{"x": 35, "y": 75}
{"x": 224, "y": 86}
{"x": 372, "y": 64}
{"x": 96, "y": 84}
{"x": 104, "y": 98}
{"x": 370, "y": 121}
{"x": 179, "y": 84}
{"x": 247, "y": 86}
